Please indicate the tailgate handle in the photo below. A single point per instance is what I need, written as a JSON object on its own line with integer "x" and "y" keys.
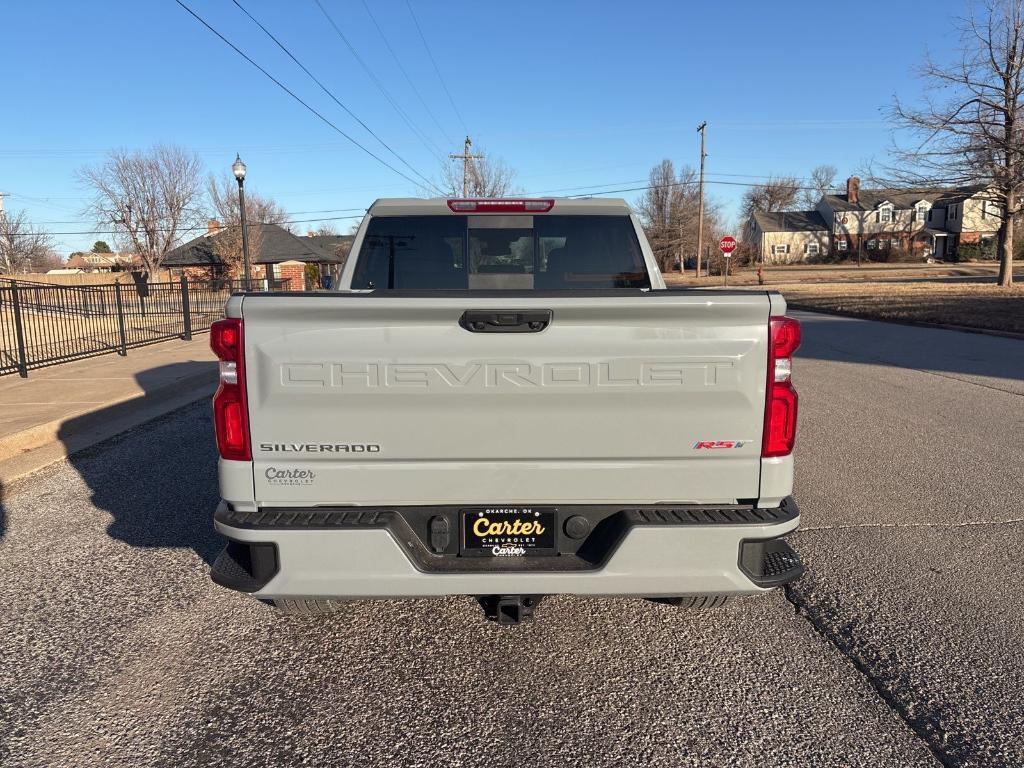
{"x": 505, "y": 321}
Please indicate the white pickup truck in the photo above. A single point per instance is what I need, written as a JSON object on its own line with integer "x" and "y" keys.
{"x": 501, "y": 399}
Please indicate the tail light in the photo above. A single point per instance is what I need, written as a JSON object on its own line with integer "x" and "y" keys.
{"x": 501, "y": 206}
{"x": 230, "y": 411}
{"x": 780, "y": 398}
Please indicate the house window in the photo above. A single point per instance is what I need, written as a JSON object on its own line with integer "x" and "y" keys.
{"x": 921, "y": 211}
{"x": 929, "y": 215}
{"x": 841, "y": 244}
{"x": 885, "y": 214}
{"x": 811, "y": 249}
{"x": 896, "y": 242}
{"x": 780, "y": 250}
{"x": 990, "y": 210}
{"x": 952, "y": 213}
{"x": 872, "y": 245}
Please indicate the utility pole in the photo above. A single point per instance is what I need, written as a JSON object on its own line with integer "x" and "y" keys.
{"x": 700, "y": 205}
{"x": 466, "y": 157}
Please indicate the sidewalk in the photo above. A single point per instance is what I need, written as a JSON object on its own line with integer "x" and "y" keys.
{"x": 65, "y": 408}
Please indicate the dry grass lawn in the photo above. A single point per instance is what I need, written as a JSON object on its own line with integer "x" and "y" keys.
{"x": 908, "y": 293}
{"x": 824, "y": 273}
{"x": 967, "y": 305}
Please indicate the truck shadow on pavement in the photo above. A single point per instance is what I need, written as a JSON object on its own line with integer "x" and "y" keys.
{"x": 847, "y": 340}
{"x": 158, "y": 480}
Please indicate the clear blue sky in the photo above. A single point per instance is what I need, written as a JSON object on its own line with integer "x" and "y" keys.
{"x": 570, "y": 94}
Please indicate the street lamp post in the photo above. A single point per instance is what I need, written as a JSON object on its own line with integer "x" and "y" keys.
{"x": 238, "y": 168}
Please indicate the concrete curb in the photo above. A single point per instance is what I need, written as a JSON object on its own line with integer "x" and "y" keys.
{"x": 916, "y": 323}
{"x": 36, "y": 448}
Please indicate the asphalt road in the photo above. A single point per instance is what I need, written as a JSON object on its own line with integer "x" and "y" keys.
{"x": 901, "y": 647}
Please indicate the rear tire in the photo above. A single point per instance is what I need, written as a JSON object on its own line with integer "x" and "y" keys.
{"x": 292, "y": 607}
{"x": 693, "y": 602}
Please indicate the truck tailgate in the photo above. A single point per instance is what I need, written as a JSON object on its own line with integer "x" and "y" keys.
{"x": 383, "y": 399}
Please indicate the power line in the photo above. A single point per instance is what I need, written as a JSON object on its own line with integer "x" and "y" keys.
{"x": 424, "y": 139}
{"x": 684, "y": 183}
{"x": 564, "y": 189}
{"x": 293, "y": 213}
{"x": 328, "y": 91}
{"x": 436, "y": 68}
{"x": 688, "y": 184}
{"x": 200, "y": 226}
{"x": 408, "y": 79}
{"x": 772, "y": 177}
{"x": 291, "y": 93}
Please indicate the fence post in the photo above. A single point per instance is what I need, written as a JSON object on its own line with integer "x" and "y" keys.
{"x": 19, "y": 331}
{"x": 123, "y": 352}
{"x": 186, "y": 309}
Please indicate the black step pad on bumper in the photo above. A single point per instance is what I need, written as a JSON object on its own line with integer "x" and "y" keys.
{"x": 245, "y": 566}
{"x": 770, "y": 563}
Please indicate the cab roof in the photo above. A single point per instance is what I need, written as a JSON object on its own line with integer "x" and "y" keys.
{"x": 439, "y": 206}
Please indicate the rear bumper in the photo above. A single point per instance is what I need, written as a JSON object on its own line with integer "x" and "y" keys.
{"x": 360, "y": 552}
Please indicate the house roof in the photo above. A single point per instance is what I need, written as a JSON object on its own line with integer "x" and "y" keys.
{"x": 869, "y": 199}
{"x": 790, "y": 221}
{"x": 88, "y": 259}
{"x": 276, "y": 244}
{"x": 338, "y": 244}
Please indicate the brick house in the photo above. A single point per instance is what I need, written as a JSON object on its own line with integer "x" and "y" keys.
{"x": 278, "y": 257}
{"x": 931, "y": 223}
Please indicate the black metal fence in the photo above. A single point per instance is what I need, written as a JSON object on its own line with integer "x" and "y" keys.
{"x": 42, "y": 324}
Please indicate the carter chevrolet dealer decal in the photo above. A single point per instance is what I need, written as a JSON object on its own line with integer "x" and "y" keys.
{"x": 506, "y": 537}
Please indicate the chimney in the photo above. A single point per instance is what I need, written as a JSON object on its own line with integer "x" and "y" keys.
{"x": 212, "y": 227}
{"x": 853, "y": 190}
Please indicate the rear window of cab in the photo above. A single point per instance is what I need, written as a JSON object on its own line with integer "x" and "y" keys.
{"x": 500, "y": 252}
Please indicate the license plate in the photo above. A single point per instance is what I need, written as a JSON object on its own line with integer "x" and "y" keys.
{"x": 508, "y": 531}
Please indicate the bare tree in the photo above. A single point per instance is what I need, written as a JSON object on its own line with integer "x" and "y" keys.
{"x": 44, "y": 260}
{"x": 660, "y": 199}
{"x": 258, "y": 210}
{"x": 967, "y": 131}
{"x": 148, "y": 197}
{"x": 488, "y": 177}
{"x": 23, "y": 246}
{"x": 776, "y": 194}
{"x": 670, "y": 210}
{"x": 823, "y": 180}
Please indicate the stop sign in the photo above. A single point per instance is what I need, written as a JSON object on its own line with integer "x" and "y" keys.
{"x": 727, "y": 244}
